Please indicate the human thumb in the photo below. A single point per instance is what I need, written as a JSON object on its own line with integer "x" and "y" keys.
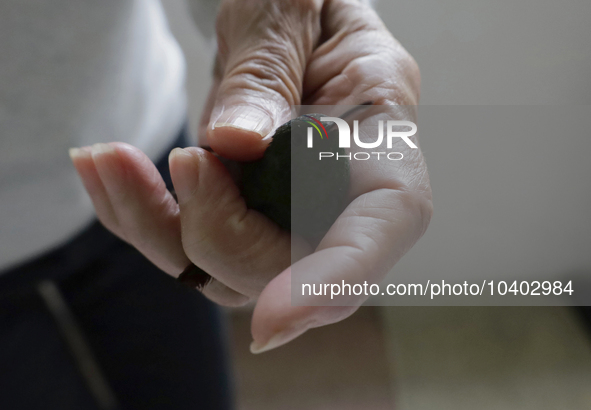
{"x": 263, "y": 49}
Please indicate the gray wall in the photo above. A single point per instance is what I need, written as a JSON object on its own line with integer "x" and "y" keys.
{"x": 512, "y": 205}
{"x": 497, "y": 51}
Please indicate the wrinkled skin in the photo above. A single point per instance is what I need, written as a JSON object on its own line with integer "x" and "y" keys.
{"x": 273, "y": 54}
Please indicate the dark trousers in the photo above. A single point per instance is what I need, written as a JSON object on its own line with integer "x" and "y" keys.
{"x": 94, "y": 325}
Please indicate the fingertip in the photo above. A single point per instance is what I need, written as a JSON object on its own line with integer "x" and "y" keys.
{"x": 130, "y": 156}
{"x": 236, "y": 143}
{"x": 106, "y": 160}
{"x": 184, "y": 171}
{"x": 84, "y": 165}
{"x": 178, "y": 153}
{"x": 186, "y": 154}
{"x": 79, "y": 155}
{"x": 276, "y": 322}
{"x": 87, "y": 171}
{"x": 102, "y": 149}
{"x": 274, "y": 342}
{"x": 74, "y": 153}
{"x": 177, "y": 159}
{"x": 225, "y": 296}
{"x": 123, "y": 167}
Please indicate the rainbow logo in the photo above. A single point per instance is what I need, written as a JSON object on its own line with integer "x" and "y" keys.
{"x": 315, "y": 126}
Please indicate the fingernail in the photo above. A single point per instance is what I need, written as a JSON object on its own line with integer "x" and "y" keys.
{"x": 74, "y": 153}
{"x": 245, "y": 118}
{"x": 79, "y": 152}
{"x": 101, "y": 148}
{"x": 275, "y": 341}
{"x": 178, "y": 152}
{"x": 185, "y": 175}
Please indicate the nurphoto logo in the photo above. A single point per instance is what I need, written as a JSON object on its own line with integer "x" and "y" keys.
{"x": 345, "y": 138}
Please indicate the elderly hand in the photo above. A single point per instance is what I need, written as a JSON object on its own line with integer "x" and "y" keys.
{"x": 272, "y": 54}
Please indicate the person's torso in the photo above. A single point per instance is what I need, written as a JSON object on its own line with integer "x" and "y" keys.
{"x": 74, "y": 73}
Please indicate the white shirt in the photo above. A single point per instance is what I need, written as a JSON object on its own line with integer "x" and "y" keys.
{"x": 74, "y": 73}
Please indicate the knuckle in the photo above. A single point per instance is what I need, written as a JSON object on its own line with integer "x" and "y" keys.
{"x": 248, "y": 239}
{"x": 386, "y": 66}
{"x": 419, "y": 204}
{"x": 271, "y": 69}
{"x": 264, "y": 44}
